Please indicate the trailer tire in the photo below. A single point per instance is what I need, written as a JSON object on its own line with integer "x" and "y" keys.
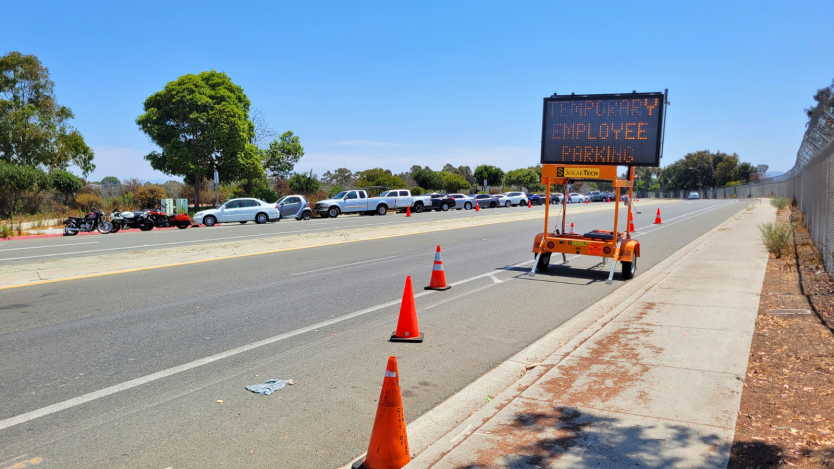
{"x": 629, "y": 269}
{"x": 544, "y": 261}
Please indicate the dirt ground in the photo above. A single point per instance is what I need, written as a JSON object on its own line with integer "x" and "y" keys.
{"x": 787, "y": 407}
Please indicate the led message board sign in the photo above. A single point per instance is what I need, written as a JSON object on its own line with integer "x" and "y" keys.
{"x": 603, "y": 129}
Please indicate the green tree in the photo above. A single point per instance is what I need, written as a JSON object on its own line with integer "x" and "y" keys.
{"x": 304, "y": 183}
{"x": 66, "y": 183}
{"x": 745, "y": 172}
{"x": 455, "y": 183}
{"x": 282, "y": 155}
{"x": 524, "y": 177}
{"x": 110, "y": 180}
{"x": 726, "y": 170}
{"x": 19, "y": 184}
{"x": 493, "y": 175}
{"x": 341, "y": 177}
{"x": 34, "y": 129}
{"x": 379, "y": 177}
{"x": 201, "y": 123}
{"x": 427, "y": 178}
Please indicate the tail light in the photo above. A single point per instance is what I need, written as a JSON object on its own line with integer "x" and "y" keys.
{"x": 276, "y": 205}
{"x": 308, "y": 204}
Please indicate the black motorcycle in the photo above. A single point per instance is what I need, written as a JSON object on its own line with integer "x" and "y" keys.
{"x": 94, "y": 220}
{"x": 127, "y": 219}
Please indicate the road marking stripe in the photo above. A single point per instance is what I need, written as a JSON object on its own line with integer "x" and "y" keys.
{"x": 54, "y": 246}
{"x": 346, "y": 265}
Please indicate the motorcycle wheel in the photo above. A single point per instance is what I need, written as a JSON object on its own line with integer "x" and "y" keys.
{"x": 105, "y": 227}
{"x": 116, "y": 228}
{"x": 70, "y": 233}
{"x": 146, "y": 227}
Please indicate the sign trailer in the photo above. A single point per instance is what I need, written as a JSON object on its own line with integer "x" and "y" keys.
{"x": 585, "y": 138}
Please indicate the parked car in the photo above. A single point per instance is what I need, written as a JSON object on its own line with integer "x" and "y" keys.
{"x": 463, "y": 201}
{"x": 239, "y": 210}
{"x": 694, "y": 196}
{"x": 514, "y": 198}
{"x": 574, "y": 197}
{"x": 294, "y": 206}
{"x": 442, "y": 202}
{"x": 598, "y": 196}
{"x": 357, "y": 201}
{"x": 534, "y": 198}
{"x": 486, "y": 200}
{"x": 557, "y": 198}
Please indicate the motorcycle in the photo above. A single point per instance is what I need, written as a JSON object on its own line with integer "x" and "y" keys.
{"x": 127, "y": 219}
{"x": 181, "y": 221}
{"x": 94, "y": 220}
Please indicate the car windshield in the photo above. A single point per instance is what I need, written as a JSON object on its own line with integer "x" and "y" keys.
{"x": 341, "y": 195}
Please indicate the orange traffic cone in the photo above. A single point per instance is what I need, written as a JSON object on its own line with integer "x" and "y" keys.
{"x": 407, "y": 328}
{"x": 529, "y": 204}
{"x": 438, "y": 276}
{"x": 388, "y": 448}
{"x": 408, "y": 210}
{"x": 631, "y": 222}
{"x": 477, "y": 207}
{"x": 587, "y": 201}
{"x": 571, "y": 229}
{"x": 657, "y": 217}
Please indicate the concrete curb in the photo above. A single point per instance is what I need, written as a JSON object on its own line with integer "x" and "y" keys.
{"x": 434, "y": 434}
{"x": 32, "y": 274}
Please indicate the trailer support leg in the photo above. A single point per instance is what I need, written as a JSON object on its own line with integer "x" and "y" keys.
{"x": 611, "y": 274}
{"x": 532, "y": 272}
{"x": 564, "y": 258}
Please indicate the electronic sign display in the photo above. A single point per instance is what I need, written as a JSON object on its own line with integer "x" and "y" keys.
{"x": 603, "y": 129}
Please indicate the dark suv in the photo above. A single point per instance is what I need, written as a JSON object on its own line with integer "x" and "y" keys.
{"x": 442, "y": 202}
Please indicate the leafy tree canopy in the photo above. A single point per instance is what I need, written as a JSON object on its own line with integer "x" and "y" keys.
{"x": 427, "y": 178}
{"x": 34, "y": 128}
{"x": 379, "y": 177}
{"x": 492, "y": 174}
{"x": 19, "y": 184}
{"x": 524, "y": 177}
{"x": 304, "y": 183}
{"x": 455, "y": 183}
{"x": 282, "y": 155}
{"x": 201, "y": 124}
{"x": 66, "y": 183}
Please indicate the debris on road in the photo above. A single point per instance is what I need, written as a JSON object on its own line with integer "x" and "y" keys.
{"x": 270, "y": 386}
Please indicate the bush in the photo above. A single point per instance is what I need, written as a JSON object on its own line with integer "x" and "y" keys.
{"x": 150, "y": 196}
{"x": 86, "y": 200}
{"x": 267, "y": 194}
{"x": 775, "y": 237}
{"x": 494, "y": 191}
{"x": 6, "y": 231}
{"x": 304, "y": 183}
{"x": 333, "y": 191}
{"x": 779, "y": 202}
{"x": 455, "y": 183}
{"x": 66, "y": 183}
{"x": 20, "y": 186}
{"x": 417, "y": 190}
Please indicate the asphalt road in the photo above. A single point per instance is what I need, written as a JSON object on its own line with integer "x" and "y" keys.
{"x": 37, "y": 249}
{"x": 126, "y": 370}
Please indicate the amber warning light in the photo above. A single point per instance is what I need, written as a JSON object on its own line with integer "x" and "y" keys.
{"x": 610, "y": 129}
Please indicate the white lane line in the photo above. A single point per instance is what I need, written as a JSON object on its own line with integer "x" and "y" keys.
{"x": 346, "y": 265}
{"x": 83, "y": 399}
{"x": 52, "y": 246}
{"x": 495, "y": 279}
{"x": 688, "y": 217}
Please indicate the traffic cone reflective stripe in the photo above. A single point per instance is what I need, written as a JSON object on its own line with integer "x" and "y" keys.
{"x": 408, "y": 330}
{"x": 438, "y": 275}
{"x": 631, "y": 222}
{"x": 571, "y": 229}
{"x": 408, "y": 211}
{"x": 388, "y": 448}
{"x": 657, "y": 217}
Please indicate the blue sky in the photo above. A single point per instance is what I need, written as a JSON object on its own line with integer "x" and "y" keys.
{"x": 391, "y": 84}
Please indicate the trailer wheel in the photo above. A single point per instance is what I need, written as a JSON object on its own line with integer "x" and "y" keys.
{"x": 629, "y": 269}
{"x": 544, "y": 261}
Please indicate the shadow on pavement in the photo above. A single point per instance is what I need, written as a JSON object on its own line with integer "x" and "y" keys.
{"x": 545, "y": 436}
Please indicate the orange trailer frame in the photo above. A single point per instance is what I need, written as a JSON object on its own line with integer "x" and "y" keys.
{"x": 614, "y": 244}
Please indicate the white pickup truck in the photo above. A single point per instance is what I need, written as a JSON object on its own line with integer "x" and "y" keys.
{"x": 357, "y": 201}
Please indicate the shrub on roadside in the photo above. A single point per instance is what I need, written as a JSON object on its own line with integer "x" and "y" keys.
{"x": 6, "y": 231}
{"x": 85, "y": 201}
{"x": 150, "y": 196}
{"x": 333, "y": 191}
{"x": 775, "y": 237}
{"x": 417, "y": 190}
{"x": 779, "y": 202}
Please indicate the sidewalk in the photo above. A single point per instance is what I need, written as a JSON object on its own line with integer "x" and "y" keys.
{"x": 654, "y": 382}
